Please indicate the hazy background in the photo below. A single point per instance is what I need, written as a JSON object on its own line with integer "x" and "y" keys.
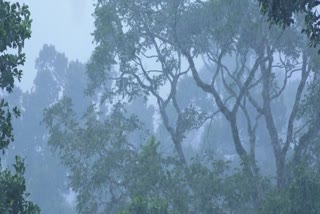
{"x": 66, "y": 24}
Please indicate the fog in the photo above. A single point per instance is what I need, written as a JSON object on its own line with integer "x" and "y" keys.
{"x": 67, "y": 25}
{"x": 159, "y": 107}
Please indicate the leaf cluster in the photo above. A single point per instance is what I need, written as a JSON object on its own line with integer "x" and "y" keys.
{"x": 13, "y": 197}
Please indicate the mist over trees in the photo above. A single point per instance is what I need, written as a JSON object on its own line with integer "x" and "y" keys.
{"x": 184, "y": 107}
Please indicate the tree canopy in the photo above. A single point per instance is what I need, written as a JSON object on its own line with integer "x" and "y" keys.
{"x": 286, "y": 13}
{"x": 204, "y": 106}
{"x": 15, "y": 28}
{"x": 206, "y": 67}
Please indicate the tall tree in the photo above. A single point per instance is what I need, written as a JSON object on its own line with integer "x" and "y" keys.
{"x": 56, "y": 77}
{"x": 123, "y": 52}
{"x": 148, "y": 49}
{"x": 15, "y": 28}
{"x": 241, "y": 38}
{"x": 31, "y": 138}
{"x": 252, "y": 39}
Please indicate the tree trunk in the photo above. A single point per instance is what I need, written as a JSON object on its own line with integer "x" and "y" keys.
{"x": 281, "y": 170}
{"x": 181, "y": 155}
{"x": 238, "y": 146}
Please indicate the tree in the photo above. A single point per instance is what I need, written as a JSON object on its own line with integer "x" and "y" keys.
{"x": 241, "y": 38}
{"x": 14, "y": 197}
{"x": 15, "y": 28}
{"x": 47, "y": 182}
{"x": 286, "y": 13}
{"x": 93, "y": 150}
{"x": 133, "y": 45}
{"x": 152, "y": 49}
{"x": 242, "y": 43}
{"x": 110, "y": 173}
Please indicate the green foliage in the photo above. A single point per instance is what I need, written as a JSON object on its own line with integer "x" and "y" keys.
{"x": 276, "y": 202}
{"x": 281, "y": 12}
{"x": 301, "y": 195}
{"x": 5, "y": 125}
{"x": 139, "y": 205}
{"x": 96, "y": 152}
{"x": 47, "y": 182}
{"x": 13, "y": 197}
{"x": 285, "y": 12}
{"x": 112, "y": 172}
{"x": 309, "y": 110}
{"x": 15, "y": 28}
{"x": 244, "y": 193}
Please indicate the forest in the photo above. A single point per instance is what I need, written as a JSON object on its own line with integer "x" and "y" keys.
{"x": 185, "y": 106}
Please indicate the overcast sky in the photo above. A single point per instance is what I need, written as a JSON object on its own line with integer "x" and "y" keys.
{"x": 66, "y": 24}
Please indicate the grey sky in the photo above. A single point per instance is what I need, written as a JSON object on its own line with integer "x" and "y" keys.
{"x": 66, "y": 24}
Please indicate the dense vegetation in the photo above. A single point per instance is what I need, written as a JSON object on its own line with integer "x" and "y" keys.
{"x": 15, "y": 28}
{"x": 184, "y": 107}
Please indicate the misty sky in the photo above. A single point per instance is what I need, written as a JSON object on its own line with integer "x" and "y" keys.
{"x": 66, "y": 24}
